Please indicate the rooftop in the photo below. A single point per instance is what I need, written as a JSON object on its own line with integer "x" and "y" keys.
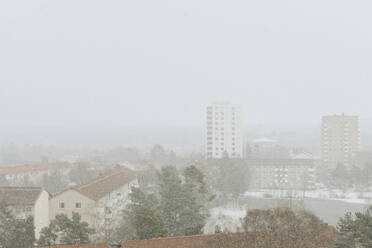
{"x": 196, "y": 241}
{"x": 20, "y": 195}
{"x": 102, "y": 185}
{"x": 32, "y": 167}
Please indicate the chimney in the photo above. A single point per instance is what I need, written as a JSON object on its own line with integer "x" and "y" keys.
{"x": 77, "y": 242}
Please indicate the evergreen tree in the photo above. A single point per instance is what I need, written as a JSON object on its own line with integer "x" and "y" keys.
{"x": 15, "y": 232}
{"x": 195, "y": 179}
{"x": 340, "y": 177}
{"x": 356, "y": 178}
{"x": 355, "y": 231}
{"x": 143, "y": 216}
{"x": 24, "y": 235}
{"x": 68, "y": 230}
{"x": 233, "y": 178}
{"x": 4, "y": 181}
{"x": 178, "y": 211}
{"x": 178, "y": 204}
{"x": 48, "y": 236}
{"x": 81, "y": 173}
{"x": 148, "y": 223}
{"x": 55, "y": 182}
{"x": 171, "y": 199}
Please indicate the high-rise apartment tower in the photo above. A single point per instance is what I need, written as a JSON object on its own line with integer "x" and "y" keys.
{"x": 224, "y": 131}
{"x": 340, "y": 140}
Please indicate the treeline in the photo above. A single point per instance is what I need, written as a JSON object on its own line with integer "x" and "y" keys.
{"x": 355, "y": 178}
{"x": 176, "y": 204}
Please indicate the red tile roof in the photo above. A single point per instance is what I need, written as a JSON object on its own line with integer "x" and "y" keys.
{"x": 20, "y": 195}
{"x": 197, "y": 241}
{"x": 102, "y": 185}
{"x": 97, "y": 245}
{"x": 32, "y": 167}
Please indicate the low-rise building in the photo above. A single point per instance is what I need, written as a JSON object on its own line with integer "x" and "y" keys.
{"x": 34, "y": 172}
{"x": 265, "y": 148}
{"x": 100, "y": 201}
{"x": 281, "y": 173}
{"x": 26, "y": 201}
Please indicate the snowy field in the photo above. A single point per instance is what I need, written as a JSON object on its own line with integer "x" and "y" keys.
{"x": 328, "y": 205}
{"x": 350, "y": 197}
{"x": 227, "y": 217}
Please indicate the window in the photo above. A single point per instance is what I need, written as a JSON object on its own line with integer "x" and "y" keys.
{"x": 61, "y": 205}
{"x": 28, "y": 209}
{"x": 78, "y": 205}
{"x": 107, "y": 210}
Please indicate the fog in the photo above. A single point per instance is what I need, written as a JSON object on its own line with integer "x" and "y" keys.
{"x": 214, "y": 104}
{"x": 158, "y": 63}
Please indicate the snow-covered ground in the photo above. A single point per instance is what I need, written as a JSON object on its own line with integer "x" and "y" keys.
{"x": 228, "y": 218}
{"x": 351, "y": 197}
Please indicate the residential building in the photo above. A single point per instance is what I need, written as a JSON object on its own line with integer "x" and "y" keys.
{"x": 281, "y": 173}
{"x": 34, "y": 172}
{"x": 339, "y": 140}
{"x": 265, "y": 148}
{"x": 100, "y": 202}
{"x": 28, "y": 201}
{"x": 224, "y": 131}
{"x": 299, "y": 153}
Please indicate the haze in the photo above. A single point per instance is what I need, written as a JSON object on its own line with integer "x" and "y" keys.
{"x": 113, "y": 64}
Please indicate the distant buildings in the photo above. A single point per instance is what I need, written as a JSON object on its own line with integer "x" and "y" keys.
{"x": 26, "y": 201}
{"x": 265, "y": 148}
{"x": 339, "y": 140}
{"x": 224, "y": 131}
{"x": 281, "y": 173}
{"x": 35, "y": 172}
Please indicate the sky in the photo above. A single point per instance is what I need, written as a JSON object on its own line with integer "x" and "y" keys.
{"x": 90, "y": 63}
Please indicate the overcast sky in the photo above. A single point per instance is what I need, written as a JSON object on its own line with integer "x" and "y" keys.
{"x": 83, "y": 63}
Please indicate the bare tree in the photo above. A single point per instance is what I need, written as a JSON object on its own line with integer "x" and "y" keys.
{"x": 279, "y": 228}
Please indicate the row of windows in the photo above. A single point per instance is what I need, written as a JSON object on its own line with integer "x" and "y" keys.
{"x": 28, "y": 209}
{"x": 210, "y": 154}
{"x": 63, "y": 205}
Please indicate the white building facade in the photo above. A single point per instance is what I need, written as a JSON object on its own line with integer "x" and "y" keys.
{"x": 100, "y": 201}
{"x": 28, "y": 201}
{"x": 340, "y": 140}
{"x": 224, "y": 134}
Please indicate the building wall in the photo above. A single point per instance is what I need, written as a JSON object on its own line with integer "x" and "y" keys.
{"x": 101, "y": 215}
{"x": 41, "y": 213}
{"x": 340, "y": 140}
{"x": 281, "y": 173}
{"x": 70, "y": 198}
{"x": 110, "y": 208}
{"x": 224, "y": 131}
